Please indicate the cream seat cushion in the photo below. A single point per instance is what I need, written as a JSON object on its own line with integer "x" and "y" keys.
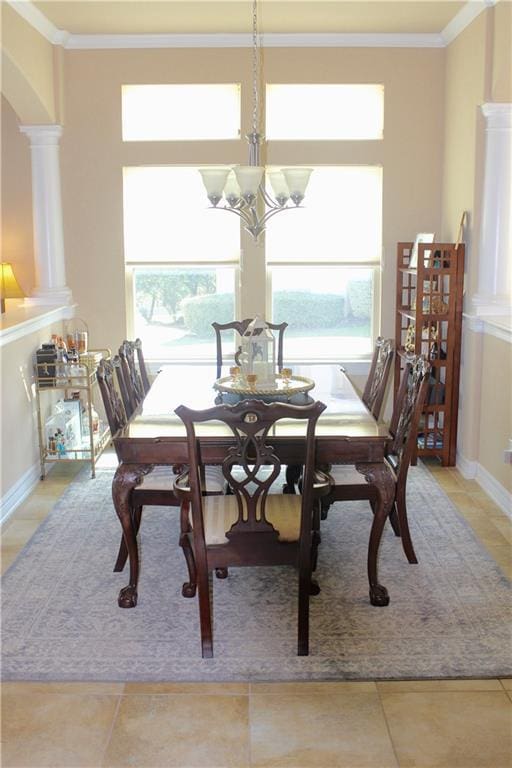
{"x": 283, "y": 511}
{"x": 162, "y": 478}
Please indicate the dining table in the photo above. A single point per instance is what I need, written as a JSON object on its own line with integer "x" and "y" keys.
{"x": 346, "y": 433}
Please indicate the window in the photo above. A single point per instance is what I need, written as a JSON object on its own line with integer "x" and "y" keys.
{"x": 324, "y": 262}
{"x": 180, "y": 112}
{"x": 324, "y": 112}
{"x": 182, "y": 261}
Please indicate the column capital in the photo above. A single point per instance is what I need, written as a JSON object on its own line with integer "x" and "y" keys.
{"x": 42, "y": 135}
{"x": 498, "y": 115}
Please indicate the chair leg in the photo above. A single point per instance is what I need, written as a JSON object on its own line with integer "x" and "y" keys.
{"x": 122, "y": 554}
{"x": 189, "y": 587}
{"x": 393, "y": 519}
{"x": 401, "y": 510}
{"x": 304, "y": 590}
{"x": 378, "y": 593}
{"x": 205, "y": 615}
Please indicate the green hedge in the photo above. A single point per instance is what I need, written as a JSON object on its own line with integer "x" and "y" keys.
{"x": 306, "y": 310}
{"x": 200, "y": 311}
{"x": 359, "y": 299}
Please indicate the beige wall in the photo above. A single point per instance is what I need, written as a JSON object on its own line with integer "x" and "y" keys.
{"x": 16, "y": 218}
{"x": 93, "y": 154}
{"x": 477, "y": 71}
{"x": 496, "y": 412}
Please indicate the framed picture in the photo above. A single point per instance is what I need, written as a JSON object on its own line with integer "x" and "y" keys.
{"x": 423, "y": 237}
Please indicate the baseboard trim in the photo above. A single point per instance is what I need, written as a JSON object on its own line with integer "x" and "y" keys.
{"x": 18, "y": 492}
{"x": 472, "y": 470}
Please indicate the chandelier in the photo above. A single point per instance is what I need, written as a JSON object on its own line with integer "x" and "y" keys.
{"x": 242, "y": 187}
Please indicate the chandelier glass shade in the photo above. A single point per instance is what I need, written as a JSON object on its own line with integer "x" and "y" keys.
{"x": 241, "y": 188}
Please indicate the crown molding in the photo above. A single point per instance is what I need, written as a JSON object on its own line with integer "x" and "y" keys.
{"x": 39, "y": 22}
{"x": 463, "y": 19}
{"x": 352, "y": 40}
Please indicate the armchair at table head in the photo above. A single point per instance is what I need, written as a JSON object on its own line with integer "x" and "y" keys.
{"x": 349, "y": 484}
{"x": 240, "y": 327}
{"x": 251, "y": 527}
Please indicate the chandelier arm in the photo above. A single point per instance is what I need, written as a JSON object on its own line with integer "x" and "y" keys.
{"x": 239, "y": 211}
{"x": 272, "y": 212}
{"x": 268, "y": 199}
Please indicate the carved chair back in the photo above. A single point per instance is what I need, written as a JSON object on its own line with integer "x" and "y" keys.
{"x": 240, "y": 326}
{"x": 114, "y": 408}
{"x": 407, "y": 414}
{"x": 133, "y": 386}
{"x": 142, "y": 366}
{"x": 380, "y": 368}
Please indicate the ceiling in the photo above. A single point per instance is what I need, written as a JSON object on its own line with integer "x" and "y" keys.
{"x": 91, "y": 17}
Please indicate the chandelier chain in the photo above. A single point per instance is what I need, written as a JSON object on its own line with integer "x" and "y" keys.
{"x": 255, "y": 72}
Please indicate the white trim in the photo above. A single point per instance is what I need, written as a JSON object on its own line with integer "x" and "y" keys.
{"x": 463, "y": 19}
{"x": 472, "y": 470}
{"x": 499, "y": 327}
{"x": 33, "y": 16}
{"x": 27, "y": 320}
{"x": 18, "y": 492}
{"x": 270, "y": 40}
{"x": 498, "y": 115}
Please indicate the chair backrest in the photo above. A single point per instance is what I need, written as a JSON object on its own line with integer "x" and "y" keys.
{"x": 380, "y": 368}
{"x": 114, "y": 408}
{"x": 133, "y": 386}
{"x": 240, "y": 326}
{"x": 250, "y": 422}
{"x": 407, "y": 412}
{"x": 142, "y": 366}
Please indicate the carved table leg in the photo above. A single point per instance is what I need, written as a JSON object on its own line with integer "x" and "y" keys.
{"x": 382, "y": 479}
{"x": 128, "y": 476}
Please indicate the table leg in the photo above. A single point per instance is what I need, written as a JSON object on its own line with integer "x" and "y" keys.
{"x": 293, "y": 475}
{"x": 126, "y": 478}
{"x": 381, "y": 477}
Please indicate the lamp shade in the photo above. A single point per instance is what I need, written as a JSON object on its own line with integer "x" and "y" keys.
{"x": 214, "y": 180}
{"x": 9, "y": 288}
{"x": 279, "y": 185}
{"x": 249, "y": 178}
{"x": 297, "y": 180}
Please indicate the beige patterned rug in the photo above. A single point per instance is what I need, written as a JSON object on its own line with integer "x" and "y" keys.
{"x": 449, "y": 616}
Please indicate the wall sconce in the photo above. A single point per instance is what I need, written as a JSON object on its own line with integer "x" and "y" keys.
{"x": 9, "y": 288}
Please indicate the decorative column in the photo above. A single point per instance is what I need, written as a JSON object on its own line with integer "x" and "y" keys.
{"x": 495, "y": 247}
{"x": 47, "y": 215}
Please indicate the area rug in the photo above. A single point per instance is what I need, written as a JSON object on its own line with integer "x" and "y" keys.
{"x": 449, "y": 615}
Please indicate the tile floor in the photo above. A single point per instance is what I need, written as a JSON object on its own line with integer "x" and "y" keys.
{"x": 420, "y": 724}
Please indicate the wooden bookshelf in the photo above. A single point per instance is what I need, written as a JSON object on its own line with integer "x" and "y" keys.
{"x": 429, "y": 322}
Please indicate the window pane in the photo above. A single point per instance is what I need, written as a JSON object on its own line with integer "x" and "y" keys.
{"x": 324, "y": 112}
{"x": 328, "y": 311}
{"x": 174, "y": 309}
{"x": 180, "y": 112}
{"x": 341, "y": 219}
{"x": 166, "y": 218}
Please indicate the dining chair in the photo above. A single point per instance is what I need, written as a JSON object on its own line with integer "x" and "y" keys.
{"x": 240, "y": 326}
{"x": 133, "y": 386}
{"x": 348, "y": 484}
{"x": 378, "y": 376}
{"x": 251, "y": 527}
{"x": 156, "y": 487}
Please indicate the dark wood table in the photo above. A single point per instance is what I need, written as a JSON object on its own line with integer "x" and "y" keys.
{"x": 346, "y": 433}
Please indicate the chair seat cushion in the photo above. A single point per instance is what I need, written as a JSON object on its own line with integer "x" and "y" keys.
{"x": 346, "y": 474}
{"x": 161, "y": 478}
{"x": 283, "y": 511}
